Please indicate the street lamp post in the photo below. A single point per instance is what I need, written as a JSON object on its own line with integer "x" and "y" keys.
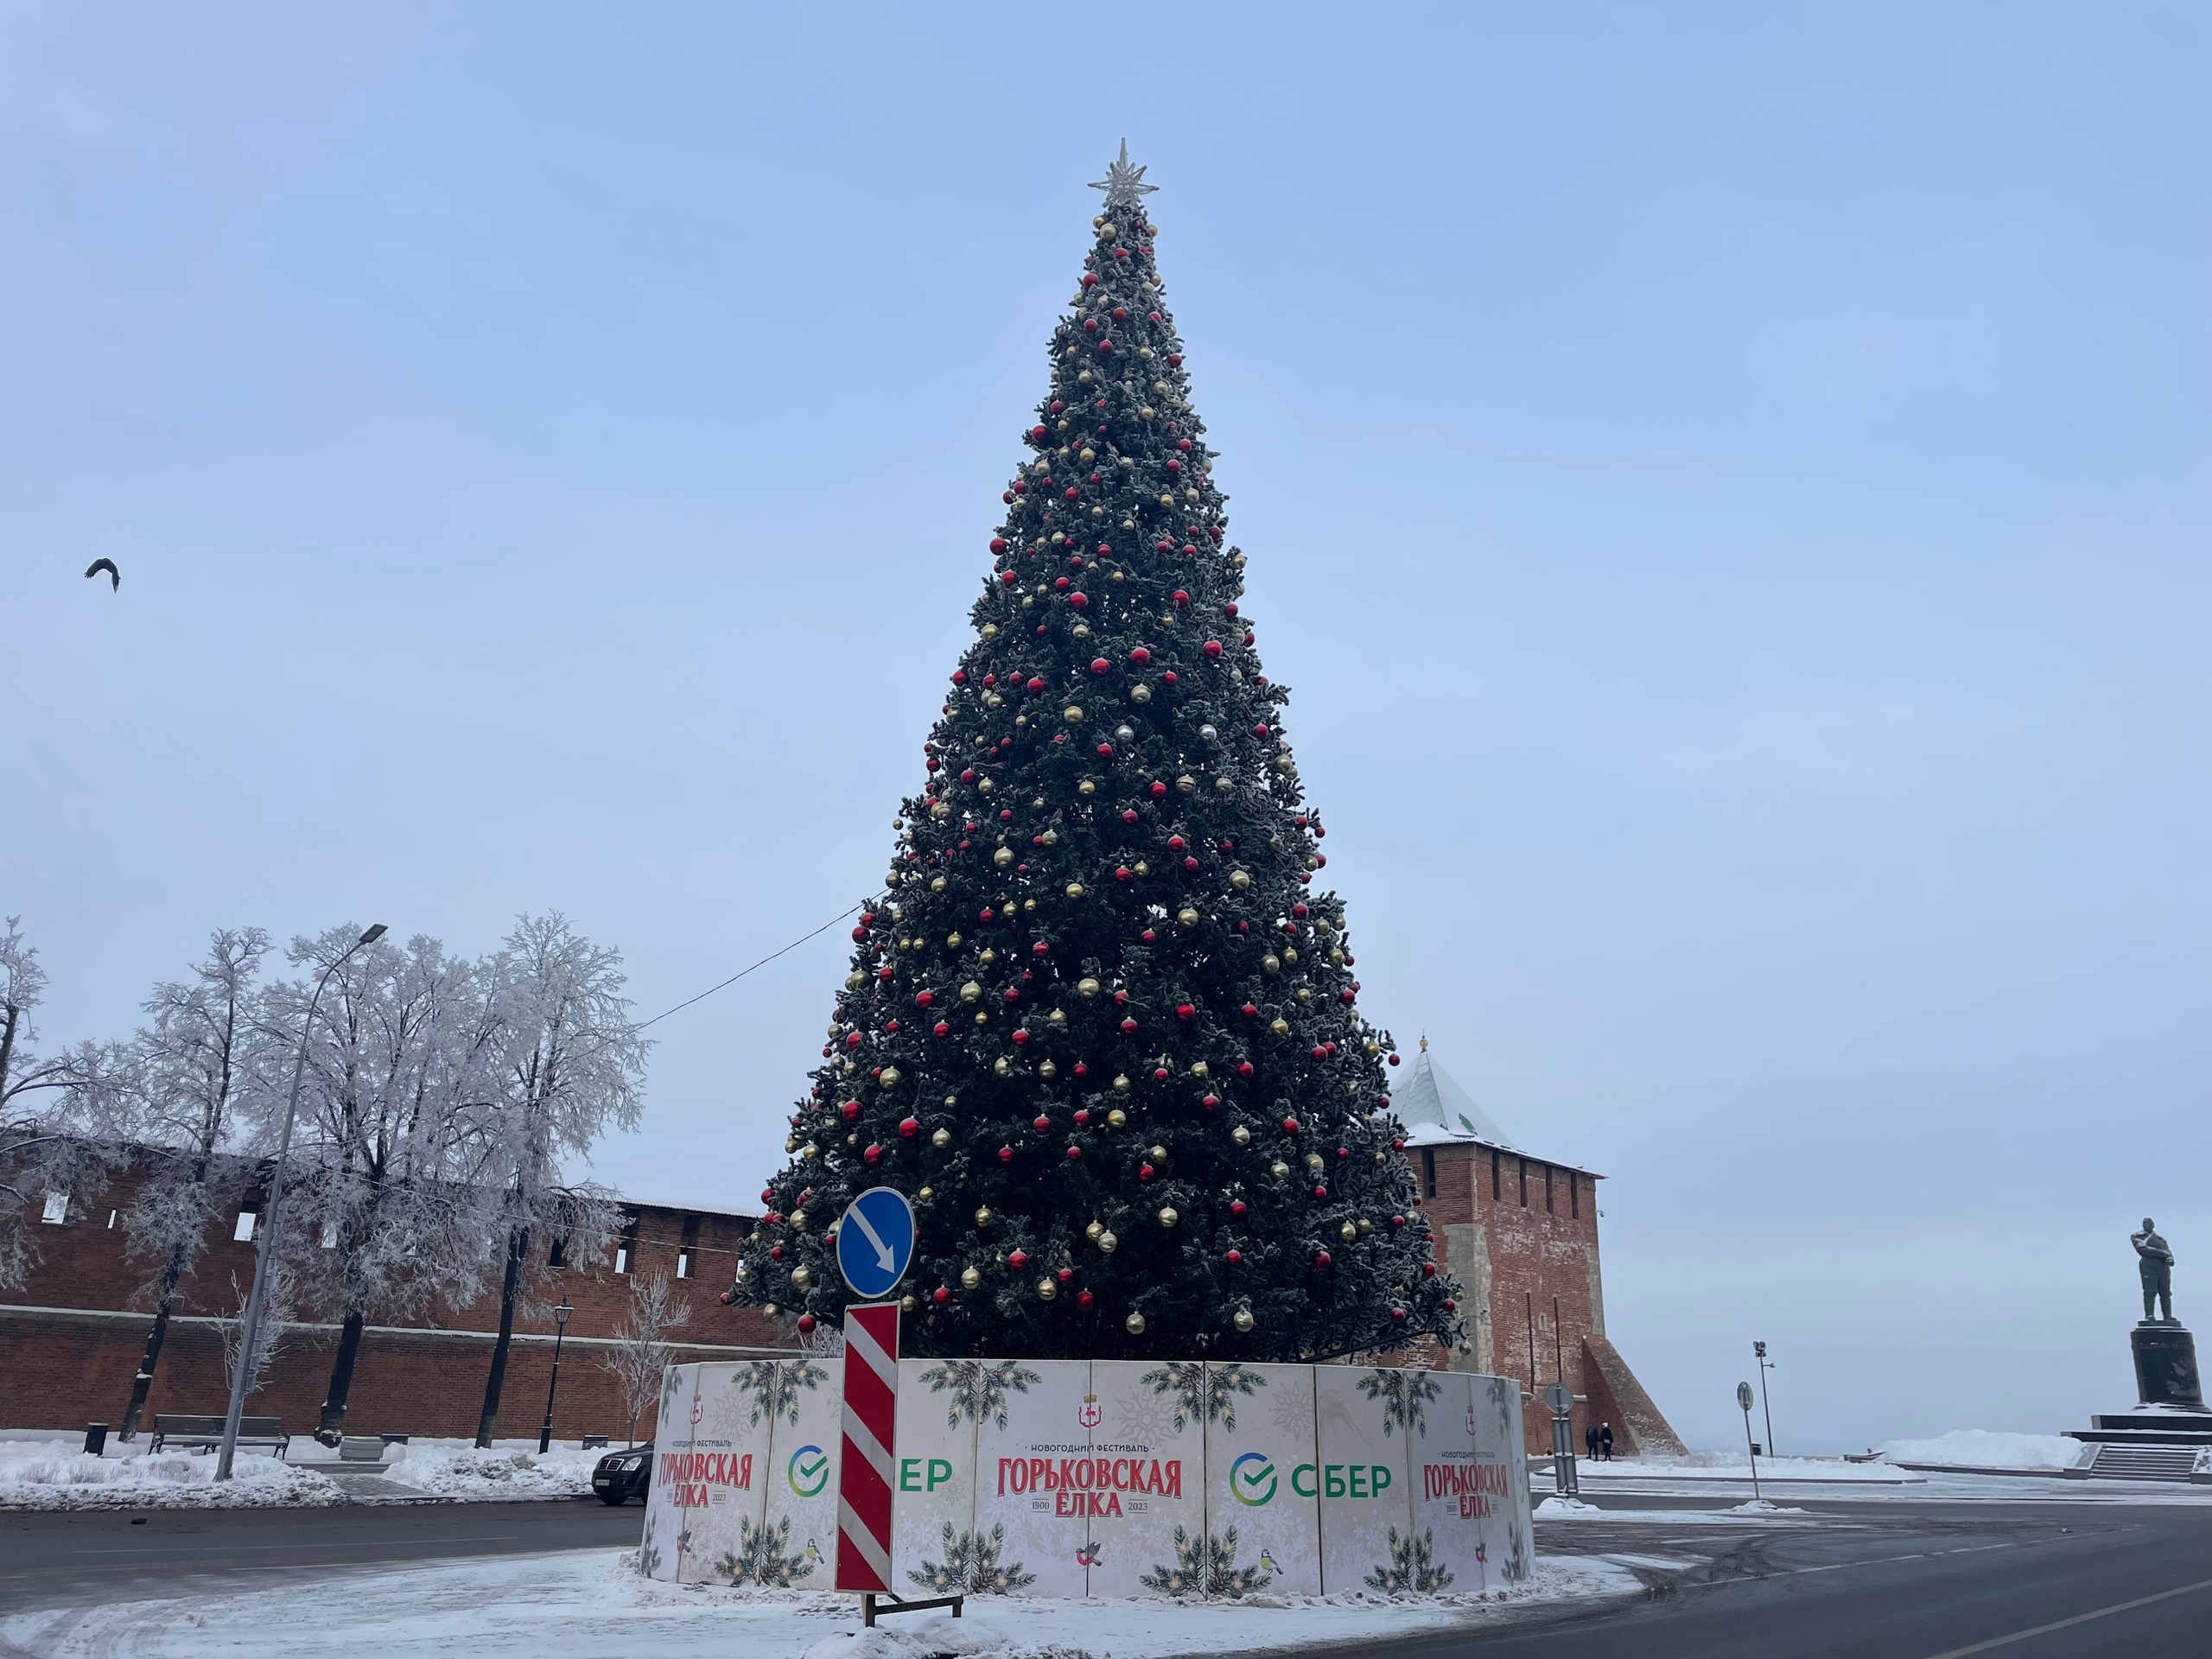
{"x": 1766, "y": 1399}
{"x": 264, "y": 1253}
{"x": 560, "y": 1330}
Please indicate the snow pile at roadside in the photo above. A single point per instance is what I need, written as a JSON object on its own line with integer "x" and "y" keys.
{"x": 1730, "y": 1466}
{"x": 506, "y": 1469}
{"x": 531, "y": 1605}
{"x": 55, "y": 1475}
{"x": 1982, "y": 1448}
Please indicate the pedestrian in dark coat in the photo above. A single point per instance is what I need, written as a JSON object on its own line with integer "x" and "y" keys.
{"x": 1590, "y": 1439}
{"x": 1605, "y": 1442}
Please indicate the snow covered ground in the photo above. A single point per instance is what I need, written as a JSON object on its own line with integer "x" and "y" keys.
{"x": 1723, "y": 1467}
{"x": 506, "y": 1470}
{"x": 553, "y": 1603}
{"x": 1982, "y": 1448}
{"x": 51, "y": 1472}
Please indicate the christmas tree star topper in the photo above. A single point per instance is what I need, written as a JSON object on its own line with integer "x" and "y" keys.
{"x": 1123, "y": 184}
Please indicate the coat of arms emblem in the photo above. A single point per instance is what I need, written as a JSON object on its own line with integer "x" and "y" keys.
{"x": 1088, "y": 1413}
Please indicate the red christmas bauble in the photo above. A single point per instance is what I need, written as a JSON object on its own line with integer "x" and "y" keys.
{"x": 1397, "y": 1316}
{"x": 1064, "y": 1275}
{"x": 1100, "y": 666}
{"x": 1139, "y": 656}
{"x": 1160, "y": 1074}
{"x": 806, "y": 1323}
{"x": 1237, "y": 1207}
{"x": 1056, "y": 407}
{"x": 1212, "y": 648}
{"x": 940, "y": 1295}
{"x": 1244, "y": 1068}
{"x": 1158, "y": 790}
{"x": 1144, "y": 1172}
{"x": 1036, "y": 431}
{"x": 1018, "y": 1260}
{"x": 1008, "y": 577}
{"x": 1234, "y": 1258}
{"x": 923, "y": 999}
{"x": 1041, "y": 1124}
{"x": 873, "y": 1154}
{"x": 1290, "y": 1126}
{"x": 1320, "y": 1258}
{"x": 1078, "y": 600}
{"x": 1074, "y": 1154}
{"x": 942, "y": 1029}
{"x": 1105, "y": 751}
{"x": 1148, "y": 936}
{"x": 1128, "y": 1027}
{"x": 1450, "y": 1306}
{"x": 1394, "y": 1059}
{"x": 1084, "y": 1300}
{"x": 1082, "y": 1116}
{"x": 998, "y": 543}
{"x": 1168, "y": 678}
{"x": 1428, "y": 1269}
{"x": 910, "y": 1126}
{"x": 851, "y": 1111}
{"x": 1182, "y": 598}
{"x": 1321, "y": 1191}
{"x": 1005, "y": 1154}
{"x": 1250, "y": 1012}
{"x": 1211, "y": 1102}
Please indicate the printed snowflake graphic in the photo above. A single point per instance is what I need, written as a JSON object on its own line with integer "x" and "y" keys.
{"x": 979, "y": 1387}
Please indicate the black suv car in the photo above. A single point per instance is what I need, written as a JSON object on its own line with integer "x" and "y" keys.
{"x": 620, "y": 1476}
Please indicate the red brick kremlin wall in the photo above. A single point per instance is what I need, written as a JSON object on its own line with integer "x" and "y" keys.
{"x": 1520, "y": 1235}
{"x": 71, "y": 1339}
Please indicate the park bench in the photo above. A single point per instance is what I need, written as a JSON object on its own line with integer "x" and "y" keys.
{"x": 206, "y": 1433}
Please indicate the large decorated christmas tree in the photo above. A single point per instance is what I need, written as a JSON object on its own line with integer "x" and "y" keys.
{"x": 1101, "y": 1029}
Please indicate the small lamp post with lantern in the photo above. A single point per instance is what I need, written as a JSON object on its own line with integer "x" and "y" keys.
{"x": 560, "y": 1330}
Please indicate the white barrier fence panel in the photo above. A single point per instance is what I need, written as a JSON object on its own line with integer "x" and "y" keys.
{"x": 1073, "y": 1478}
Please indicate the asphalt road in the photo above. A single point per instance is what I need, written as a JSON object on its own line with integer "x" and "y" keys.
{"x": 52, "y": 1559}
{"x": 1882, "y": 1580}
{"x": 1887, "y": 1580}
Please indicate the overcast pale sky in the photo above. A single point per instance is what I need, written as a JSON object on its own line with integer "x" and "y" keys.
{"x": 1727, "y": 485}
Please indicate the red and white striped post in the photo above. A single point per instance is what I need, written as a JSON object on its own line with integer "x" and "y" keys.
{"x": 866, "y": 1473}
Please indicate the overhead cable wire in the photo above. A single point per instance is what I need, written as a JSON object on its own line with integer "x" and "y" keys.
{"x": 763, "y": 962}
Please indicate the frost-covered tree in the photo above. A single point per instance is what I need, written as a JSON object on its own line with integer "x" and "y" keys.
{"x": 392, "y": 1214}
{"x": 271, "y": 1338}
{"x": 53, "y": 1144}
{"x": 641, "y": 1350}
{"x": 195, "y": 1093}
{"x": 568, "y": 1063}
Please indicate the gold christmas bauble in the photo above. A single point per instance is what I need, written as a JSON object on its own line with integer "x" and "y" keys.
{"x": 970, "y": 1278}
{"x": 1187, "y": 783}
{"x": 890, "y": 1077}
{"x": 798, "y": 1221}
{"x": 1094, "y": 1229}
{"x": 1365, "y": 1225}
{"x": 1226, "y": 785}
{"x": 1241, "y": 1136}
{"x": 770, "y": 1309}
{"x": 1281, "y": 1027}
{"x": 1046, "y": 1289}
{"x": 1242, "y": 1320}
{"x": 1003, "y": 857}
{"x": 1107, "y": 1241}
{"x": 1167, "y": 1216}
{"x": 1072, "y": 714}
{"x": 905, "y": 1303}
{"x": 1122, "y": 1082}
{"x": 926, "y": 1194}
{"x": 983, "y": 1216}
{"x": 1086, "y": 787}
{"x": 1157, "y": 1155}
{"x": 810, "y": 1152}
{"x": 1279, "y": 1169}
{"x": 1271, "y": 963}
{"x": 1134, "y": 1324}
{"x": 1144, "y": 868}
{"x": 970, "y": 991}
{"x": 1086, "y": 986}
{"x": 1313, "y": 1162}
{"x": 941, "y": 1138}
{"x": 1075, "y": 888}
{"x": 1140, "y": 692}
{"x": 1048, "y": 1071}
{"x": 952, "y": 941}
{"x": 1115, "y": 1118}
{"x": 1347, "y": 1232}
{"x": 1197, "y": 1068}
{"x": 1001, "y": 1066}
{"x": 1240, "y": 879}
{"x": 1290, "y": 953}
{"x": 1145, "y": 413}
{"x": 1188, "y": 917}
{"x": 990, "y": 629}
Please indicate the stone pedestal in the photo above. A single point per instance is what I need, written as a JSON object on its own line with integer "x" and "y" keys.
{"x": 2165, "y": 1366}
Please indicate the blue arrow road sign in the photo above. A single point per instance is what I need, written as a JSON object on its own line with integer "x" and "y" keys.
{"x": 875, "y": 1240}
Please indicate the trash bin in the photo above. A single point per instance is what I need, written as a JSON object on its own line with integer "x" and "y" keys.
{"x": 95, "y": 1439}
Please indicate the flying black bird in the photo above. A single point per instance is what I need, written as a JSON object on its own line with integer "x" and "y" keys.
{"x": 114, "y": 575}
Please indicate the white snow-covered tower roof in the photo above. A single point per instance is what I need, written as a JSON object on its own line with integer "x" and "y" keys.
{"x": 1435, "y": 1109}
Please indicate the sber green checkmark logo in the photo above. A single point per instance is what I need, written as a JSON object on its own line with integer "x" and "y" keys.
{"x": 807, "y": 1471}
{"x": 1252, "y": 1480}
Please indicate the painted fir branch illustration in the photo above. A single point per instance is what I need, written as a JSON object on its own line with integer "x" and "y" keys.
{"x": 1403, "y": 1394}
{"x": 1203, "y": 1392}
{"x": 971, "y": 1566}
{"x": 774, "y": 1386}
{"x": 978, "y": 1387}
{"x": 763, "y": 1557}
{"x": 1413, "y": 1566}
{"x": 1206, "y": 1566}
